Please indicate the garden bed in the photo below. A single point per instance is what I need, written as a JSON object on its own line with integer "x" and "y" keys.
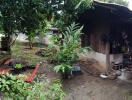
{"x": 17, "y": 67}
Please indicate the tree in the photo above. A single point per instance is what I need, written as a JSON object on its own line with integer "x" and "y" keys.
{"x": 9, "y": 10}
{"x": 68, "y": 11}
{"x": 32, "y": 16}
{"x": 28, "y": 16}
{"x": 21, "y": 16}
{"x": 120, "y": 2}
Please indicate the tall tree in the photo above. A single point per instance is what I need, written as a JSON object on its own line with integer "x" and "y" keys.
{"x": 120, "y": 2}
{"x": 9, "y": 10}
{"x": 23, "y": 16}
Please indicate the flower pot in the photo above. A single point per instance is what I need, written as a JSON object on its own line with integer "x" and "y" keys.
{"x": 76, "y": 70}
{"x": 66, "y": 75}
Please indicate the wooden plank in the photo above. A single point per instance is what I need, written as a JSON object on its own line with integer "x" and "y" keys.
{"x": 108, "y": 57}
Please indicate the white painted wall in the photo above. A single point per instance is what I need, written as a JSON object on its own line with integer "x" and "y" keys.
{"x": 22, "y": 38}
{"x": 101, "y": 58}
{"x": 117, "y": 58}
{"x": 45, "y": 40}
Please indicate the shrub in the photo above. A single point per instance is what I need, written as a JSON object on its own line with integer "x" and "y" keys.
{"x": 68, "y": 51}
{"x": 47, "y": 91}
{"x": 16, "y": 89}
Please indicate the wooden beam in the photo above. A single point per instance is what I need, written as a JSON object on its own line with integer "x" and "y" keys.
{"x": 108, "y": 57}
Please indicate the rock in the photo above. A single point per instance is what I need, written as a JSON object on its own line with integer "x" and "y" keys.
{"x": 118, "y": 73}
{"x": 112, "y": 76}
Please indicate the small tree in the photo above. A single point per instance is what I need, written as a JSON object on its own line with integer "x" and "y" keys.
{"x": 32, "y": 17}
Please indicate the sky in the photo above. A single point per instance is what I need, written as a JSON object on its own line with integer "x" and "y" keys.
{"x": 130, "y": 4}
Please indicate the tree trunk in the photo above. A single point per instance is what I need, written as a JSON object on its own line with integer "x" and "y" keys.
{"x": 13, "y": 41}
{"x": 108, "y": 68}
{"x": 5, "y": 44}
{"x": 30, "y": 44}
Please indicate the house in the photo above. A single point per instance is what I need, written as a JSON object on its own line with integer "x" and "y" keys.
{"x": 108, "y": 30}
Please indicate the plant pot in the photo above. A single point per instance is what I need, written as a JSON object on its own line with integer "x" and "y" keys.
{"x": 76, "y": 73}
{"x": 76, "y": 70}
{"x": 17, "y": 71}
{"x": 66, "y": 75}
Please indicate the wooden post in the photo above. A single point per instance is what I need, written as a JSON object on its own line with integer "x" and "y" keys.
{"x": 107, "y": 57}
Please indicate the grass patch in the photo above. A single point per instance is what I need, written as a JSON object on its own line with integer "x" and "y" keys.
{"x": 20, "y": 51}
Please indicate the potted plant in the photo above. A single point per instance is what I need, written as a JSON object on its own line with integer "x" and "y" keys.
{"x": 18, "y": 68}
{"x": 67, "y": 53}
{"x": 64, "y": 69}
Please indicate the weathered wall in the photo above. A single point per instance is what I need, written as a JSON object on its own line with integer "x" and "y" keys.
{"x": 101, "y": 58}
{"x": 100, "y": 30}
{"x": 117, "y": 58}
{"x": 97, "y": 43}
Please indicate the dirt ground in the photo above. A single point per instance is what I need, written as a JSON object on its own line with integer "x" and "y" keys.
{"x": 87, "y": 87}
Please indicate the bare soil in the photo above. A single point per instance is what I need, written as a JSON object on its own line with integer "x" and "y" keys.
{"x": 89, "y": 87}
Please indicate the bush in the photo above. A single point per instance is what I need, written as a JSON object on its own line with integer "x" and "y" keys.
{"x": 47, "y": 91}
{"x": 68, "y": 51}
{"x": 14, "y": 89}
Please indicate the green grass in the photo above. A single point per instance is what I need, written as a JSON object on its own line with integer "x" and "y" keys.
{"x": 20, "y": 51}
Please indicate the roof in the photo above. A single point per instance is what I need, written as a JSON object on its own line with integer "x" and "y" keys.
{"x": 107, "y": 11}
{"x": 101, "y": 2}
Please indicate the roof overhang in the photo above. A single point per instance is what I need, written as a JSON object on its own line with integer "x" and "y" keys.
{"x": 107, "y": 11}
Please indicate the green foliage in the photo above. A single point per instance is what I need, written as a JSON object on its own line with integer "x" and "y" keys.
{"x": 121, "y": 2}
{"x": 8, "y": 15}
{"x": 76, "y": 6}
{"x": 48, "y": 53}
{"x": 47, "y": 91}
{"x": 26, "y": 16}
{"x": 14, "y": 88}
{"x": 70, "y": 10}
{"x": 18, "y": 66}
{"x": 68, "y": 51}
{"x": 63, "y": 68}
{"x": 32, "y": 18}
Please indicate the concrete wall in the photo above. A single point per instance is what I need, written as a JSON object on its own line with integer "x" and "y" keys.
{"x": 117, "y": 58}
{"x": 101, "y": 58}
{"x": 39, "y": 39}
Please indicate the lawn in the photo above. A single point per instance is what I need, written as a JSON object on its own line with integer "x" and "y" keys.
{"x": 21, "y": 51}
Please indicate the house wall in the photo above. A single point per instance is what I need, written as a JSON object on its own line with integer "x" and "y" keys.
{"x": 97, "y": 43}
{"x": 116, "y": 58}
{"x": 99, "y": 46}
{"x": 100, "y": 57}
{"x": 100, "y": 30}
